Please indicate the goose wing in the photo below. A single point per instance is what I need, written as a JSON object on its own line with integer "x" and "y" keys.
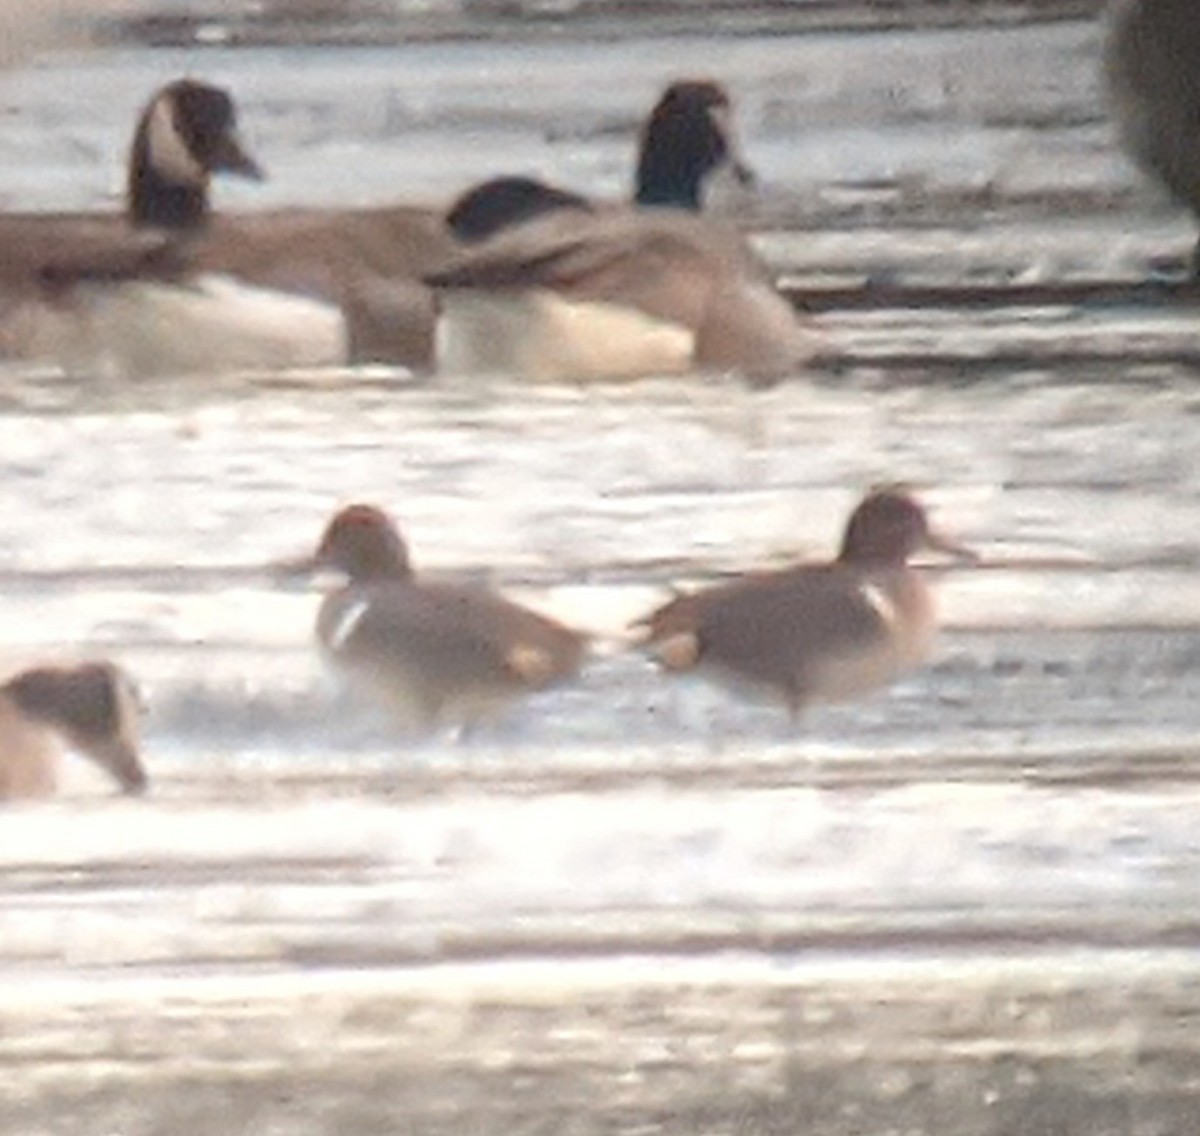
{"x": 662, "y": 262}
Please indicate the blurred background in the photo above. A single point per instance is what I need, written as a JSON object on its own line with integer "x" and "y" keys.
{"x": 633, "y": 905}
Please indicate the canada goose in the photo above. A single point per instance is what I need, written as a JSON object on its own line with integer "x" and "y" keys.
{"x": 288, "y": 287}
{"x": 365, "y": 262}
{"x": 432, "y": 653}
{"x": 89, "y": 707}
{"x": 816, "y": 632}
{"x": 132, "y": 294}
{"x": 580, "y": 292}
{"x": 1152, "y": 65}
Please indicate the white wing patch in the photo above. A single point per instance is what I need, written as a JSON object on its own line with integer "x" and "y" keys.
{"x": 346, "y": 623}
{"x": 883, "y": 604}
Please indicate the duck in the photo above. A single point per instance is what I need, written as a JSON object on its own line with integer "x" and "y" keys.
{"x": 1150, "y": 67}
{"x": 431, "y": 653}
{"x": 574, "y": 291}
{"x": 815, "y": 633}
{"x": 174, "y": 285}
{"x": 89, "y": 707}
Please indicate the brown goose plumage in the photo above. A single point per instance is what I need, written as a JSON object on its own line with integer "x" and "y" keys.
{"x": 363, "y": 263}
{"x": 619, "y": 292}
{"x": 90, "y": 708}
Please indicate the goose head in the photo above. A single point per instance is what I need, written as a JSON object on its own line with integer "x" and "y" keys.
{"x": 688, "y": 136}
{"x": 187, "y": 132}
{"x": 94, "y": 707}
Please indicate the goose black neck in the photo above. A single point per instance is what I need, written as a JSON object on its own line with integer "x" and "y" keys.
{"x": 154, "y": 200}
{"x": 677, "y": 154}
{"x": 670, "y": 180}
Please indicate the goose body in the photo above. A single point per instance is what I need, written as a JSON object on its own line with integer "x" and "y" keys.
{"x": 90, "y": 708}
{"x": 815, "y": 632}
{"x": 172, "y": 286}
{"x": 207, "y": 324}
{"x": 431, "y": 653}
{"x": 579, "y": 292}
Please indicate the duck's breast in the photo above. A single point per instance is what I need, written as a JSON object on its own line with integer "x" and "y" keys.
{"x": 897, "y": 621}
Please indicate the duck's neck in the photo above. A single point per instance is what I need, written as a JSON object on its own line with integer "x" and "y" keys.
{"x": 381, "y": 569}
{"x": 392, "y": 576}
{"x": 868, "y": 555}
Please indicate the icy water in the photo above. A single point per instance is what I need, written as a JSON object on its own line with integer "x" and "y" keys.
{"x": 967, "y": 905}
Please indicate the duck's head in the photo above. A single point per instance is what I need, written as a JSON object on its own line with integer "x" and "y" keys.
{"x": 96, "y": 708}
{"x": 688, "y": 136}
{"x": 187, "y": 132}
{"x": 362, "y": 542}
{"x": 889, "y": 526}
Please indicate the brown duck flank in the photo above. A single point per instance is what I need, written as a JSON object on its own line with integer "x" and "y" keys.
{"x": 816, "y": 632}
{"x": 434, "y": 652}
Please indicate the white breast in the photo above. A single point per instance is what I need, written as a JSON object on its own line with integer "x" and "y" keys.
{"x": 907, "y": 627}
{"x": 214, "y": 324}
{"x": 538, "y": 335}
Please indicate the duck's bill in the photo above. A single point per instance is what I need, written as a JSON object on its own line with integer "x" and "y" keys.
{"x": 296, "y": 567}
{"x": 940, "y": 542}
{"x": 306, "y": 569}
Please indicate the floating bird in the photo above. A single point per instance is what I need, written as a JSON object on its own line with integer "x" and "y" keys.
{"x": 563, "y": 289}
{"x": 816, "y": 632}
{"x": 140, "y": 293}
{"x": 91, "y": 708}
{"x": 432, "y": 653}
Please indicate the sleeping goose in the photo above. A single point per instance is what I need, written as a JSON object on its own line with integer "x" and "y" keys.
{"x": 90, "y": 708}
{"x": 579, "y": 291}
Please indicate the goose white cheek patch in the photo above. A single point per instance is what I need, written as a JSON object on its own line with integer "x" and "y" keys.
{"x": 167, "y": 151}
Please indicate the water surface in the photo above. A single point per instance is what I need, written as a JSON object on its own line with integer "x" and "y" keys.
{"x": 632, "y": 905}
